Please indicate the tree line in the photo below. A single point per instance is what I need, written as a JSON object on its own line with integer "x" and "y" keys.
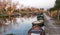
{"x": 56, "y": 8}
{"x": 7, "y": 8}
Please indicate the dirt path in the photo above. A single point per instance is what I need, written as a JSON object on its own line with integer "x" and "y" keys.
{"x": 50, "y": 28}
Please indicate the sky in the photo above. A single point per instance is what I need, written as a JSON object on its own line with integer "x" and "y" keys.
{"x": 37, "y": 3}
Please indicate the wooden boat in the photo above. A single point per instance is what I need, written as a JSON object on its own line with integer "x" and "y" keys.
{"x": 40, "y": 23}
{"x": 40, "y": 16}
{"x": 36, "y": 30}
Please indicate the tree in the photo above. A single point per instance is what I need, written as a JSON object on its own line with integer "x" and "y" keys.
{"x": 56, "y": 7}
{"x": 57, "y": 4}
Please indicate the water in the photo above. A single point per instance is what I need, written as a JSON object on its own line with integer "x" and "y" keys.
{"x": 21, "y": 26}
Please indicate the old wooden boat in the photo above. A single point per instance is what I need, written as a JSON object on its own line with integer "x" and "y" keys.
{"x": 40, "y": 23}
{"x": 36, "y": 30}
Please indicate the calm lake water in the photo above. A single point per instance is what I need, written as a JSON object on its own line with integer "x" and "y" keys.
{"x": 20, "y": 27}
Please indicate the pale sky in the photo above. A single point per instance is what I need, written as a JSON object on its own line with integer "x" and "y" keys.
{"x": 37, "y": 3}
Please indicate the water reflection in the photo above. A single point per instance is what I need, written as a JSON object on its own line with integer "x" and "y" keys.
{"x": 19, "y": 25}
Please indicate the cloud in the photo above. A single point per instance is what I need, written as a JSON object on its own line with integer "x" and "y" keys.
{"x": 37, "y": 3}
